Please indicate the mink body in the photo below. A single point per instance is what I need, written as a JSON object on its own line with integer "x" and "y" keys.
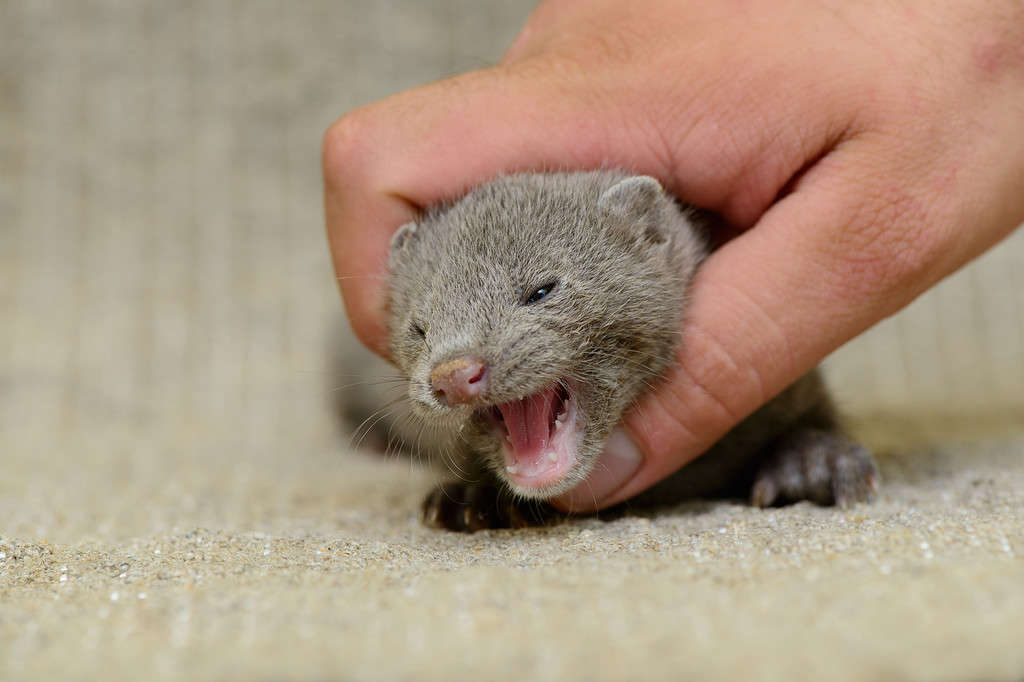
{"x": 530, "y": 314}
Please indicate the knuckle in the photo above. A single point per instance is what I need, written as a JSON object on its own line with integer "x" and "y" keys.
{"x": 344, "y": 146}
{"x": 621, "y": 45}
{"x": 707, "y": 391}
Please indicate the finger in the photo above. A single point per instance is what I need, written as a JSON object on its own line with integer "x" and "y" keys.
{"x": 384, "y": 162}
{"x": 837, "y": 255}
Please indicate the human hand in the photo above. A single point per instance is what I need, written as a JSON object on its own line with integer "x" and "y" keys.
{"x": 861, "y": 152}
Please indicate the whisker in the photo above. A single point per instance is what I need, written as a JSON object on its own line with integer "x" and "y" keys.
{"x": 344, "y": 278}
{"x": 376, "y": 382}
{"x": 379, "y": 414}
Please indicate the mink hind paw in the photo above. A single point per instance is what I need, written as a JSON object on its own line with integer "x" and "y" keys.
{"x": 820, "y": 466}
{"x": 469, "y": 507}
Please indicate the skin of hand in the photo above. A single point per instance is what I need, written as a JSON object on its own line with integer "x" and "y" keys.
{"x": 859, "y": 152}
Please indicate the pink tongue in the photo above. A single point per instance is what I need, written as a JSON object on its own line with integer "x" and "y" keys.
{"x": 529, "y": 424}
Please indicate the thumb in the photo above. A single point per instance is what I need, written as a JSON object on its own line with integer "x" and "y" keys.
{"x": 821, "y": 265}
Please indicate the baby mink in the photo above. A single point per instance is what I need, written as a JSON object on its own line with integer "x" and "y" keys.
{"x": 530, "y": 314}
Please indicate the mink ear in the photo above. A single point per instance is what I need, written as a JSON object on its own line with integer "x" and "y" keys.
{"x": 399, "y": 240}
{"x": 635, "y": 205}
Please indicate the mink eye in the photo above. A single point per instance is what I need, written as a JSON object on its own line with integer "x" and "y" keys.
{"x": 539, "y": 293}
{"x": 418, "y": 330}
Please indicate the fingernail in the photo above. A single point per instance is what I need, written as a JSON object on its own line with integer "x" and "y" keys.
{"x": 617, "y": 464}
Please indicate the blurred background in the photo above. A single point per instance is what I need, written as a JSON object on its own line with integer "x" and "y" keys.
{"x": 163, "y": 273}
{"x": 166, "y": 300}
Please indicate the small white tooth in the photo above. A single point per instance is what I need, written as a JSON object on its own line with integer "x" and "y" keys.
{"x": 553, "y": 456}
{"x": 512, "y": 469}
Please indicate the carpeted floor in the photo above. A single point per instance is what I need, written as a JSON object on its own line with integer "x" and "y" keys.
{"x": 176, "y": 498}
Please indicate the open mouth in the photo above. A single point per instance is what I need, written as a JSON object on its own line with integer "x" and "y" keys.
{"x": 538, "y": 437}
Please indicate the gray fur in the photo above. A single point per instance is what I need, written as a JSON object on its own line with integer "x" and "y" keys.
{"x": 623, "y": 253}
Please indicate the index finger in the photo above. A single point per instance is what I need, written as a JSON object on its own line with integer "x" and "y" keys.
{"x": 386, "y": 161}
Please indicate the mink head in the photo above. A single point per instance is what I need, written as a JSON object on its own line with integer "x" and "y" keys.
{"x": 532, "y": 312}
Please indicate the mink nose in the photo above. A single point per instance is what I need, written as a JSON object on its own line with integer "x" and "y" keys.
{"x": 460, "y": 381}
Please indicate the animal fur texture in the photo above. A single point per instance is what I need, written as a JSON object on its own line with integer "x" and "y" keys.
{"x": 563, "y": 295}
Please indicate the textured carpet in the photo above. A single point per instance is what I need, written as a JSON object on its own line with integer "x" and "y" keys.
{"x": 177, "y": 502}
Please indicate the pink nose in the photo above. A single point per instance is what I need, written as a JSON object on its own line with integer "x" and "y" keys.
{"x": 460, "y": 381}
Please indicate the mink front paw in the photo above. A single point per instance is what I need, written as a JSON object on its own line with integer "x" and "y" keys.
{"x": 820, "y": 466}
{"x": 469, "y": 507}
